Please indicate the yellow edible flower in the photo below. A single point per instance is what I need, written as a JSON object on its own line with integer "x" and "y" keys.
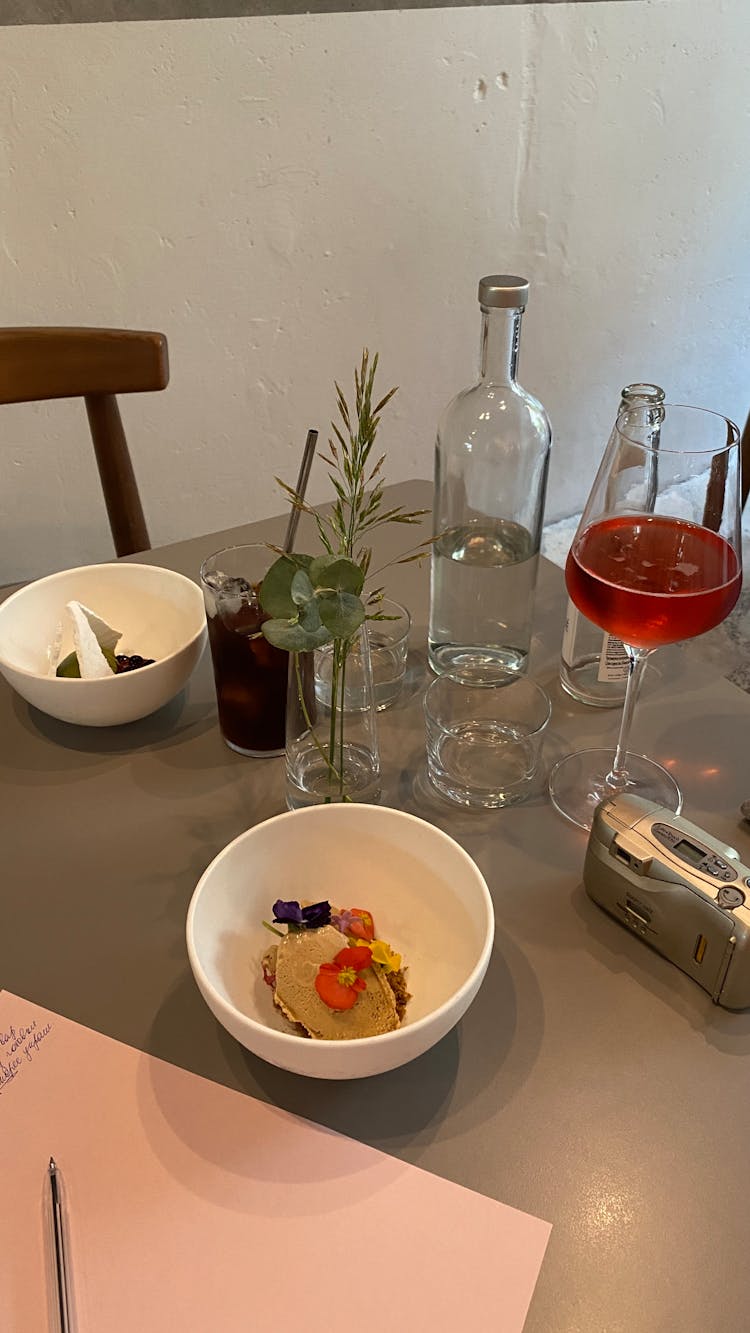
{"x": 383, "y": 954}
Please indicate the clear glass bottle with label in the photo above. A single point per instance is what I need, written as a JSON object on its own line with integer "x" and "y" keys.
{"x": 594, "y": 665}
{"x": 491, "y": 463}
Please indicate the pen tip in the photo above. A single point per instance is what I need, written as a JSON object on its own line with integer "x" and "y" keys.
{"x": 52, "y": 1164}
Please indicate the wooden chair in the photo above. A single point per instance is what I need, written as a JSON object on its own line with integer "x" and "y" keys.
{"x": 93, "y": 364}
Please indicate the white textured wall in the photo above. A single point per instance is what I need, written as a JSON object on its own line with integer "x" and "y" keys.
{"x": 272, "y": 193}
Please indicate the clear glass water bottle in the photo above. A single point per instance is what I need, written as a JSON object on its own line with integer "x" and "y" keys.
{"x": 593, "y": 665}
{"x": 491, "y": 461}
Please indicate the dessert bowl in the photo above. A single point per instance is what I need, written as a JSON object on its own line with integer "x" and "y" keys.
{"x": 159, "y": 612}
{"x": 428, "y": 899}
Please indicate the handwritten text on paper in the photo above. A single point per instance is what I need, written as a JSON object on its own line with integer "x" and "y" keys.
{"x": 18, "y": 1046}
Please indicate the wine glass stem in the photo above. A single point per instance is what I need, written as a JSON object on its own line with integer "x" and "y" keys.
{"x": 637, "y": 658}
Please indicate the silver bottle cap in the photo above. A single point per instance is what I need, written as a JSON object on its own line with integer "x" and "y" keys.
{"x": 503, "y": 291}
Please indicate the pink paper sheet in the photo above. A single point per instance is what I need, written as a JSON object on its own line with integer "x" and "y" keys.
{"x": 193, "y": 1208}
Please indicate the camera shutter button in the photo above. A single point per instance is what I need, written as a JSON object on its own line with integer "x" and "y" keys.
{"x": 729, "y": 896}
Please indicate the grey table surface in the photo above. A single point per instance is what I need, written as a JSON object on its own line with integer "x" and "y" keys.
{"x": 591, "y": 1083}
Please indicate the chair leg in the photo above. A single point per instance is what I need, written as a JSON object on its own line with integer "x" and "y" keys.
{"x": 121, "y": 497}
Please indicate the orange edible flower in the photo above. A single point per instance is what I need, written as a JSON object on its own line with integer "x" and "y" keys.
{"x": 338, "y": 983}
{"x": 361, "y": 924}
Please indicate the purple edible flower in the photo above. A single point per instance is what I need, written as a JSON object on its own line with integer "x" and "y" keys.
{"x": 302, "y": 918}
{"x": 317, "y": 914}
{"x": 343, "y": 921}
{"x": 288, "y": 913}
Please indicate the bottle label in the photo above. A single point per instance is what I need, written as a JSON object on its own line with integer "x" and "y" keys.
{"x": 569, "y": 633}
{"x": 614, "y": 663}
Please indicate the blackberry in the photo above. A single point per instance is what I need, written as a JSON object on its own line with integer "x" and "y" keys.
{"x": 132, "y": 663}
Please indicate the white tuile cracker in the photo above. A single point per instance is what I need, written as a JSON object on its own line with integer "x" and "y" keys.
{"x": 106, "y": 636}
{"x": 54, "y": 650}
{"x": 90, "y": 635}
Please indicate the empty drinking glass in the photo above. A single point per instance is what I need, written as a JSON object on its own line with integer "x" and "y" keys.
{"x": 484, "y": 736}
{"x": 389, "y": 647}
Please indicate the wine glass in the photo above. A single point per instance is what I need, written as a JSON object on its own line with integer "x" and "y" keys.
{"x": 657, "y": 557}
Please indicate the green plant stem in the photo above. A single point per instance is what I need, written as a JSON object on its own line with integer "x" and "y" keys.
{"x": 334, "y": 714}
{"x": 344, "y": 655}
{"x": 274, "y": 931}
{"x": 303, "y": 705}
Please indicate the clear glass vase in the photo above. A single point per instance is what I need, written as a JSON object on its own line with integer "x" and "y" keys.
{"x": 332, "y": 750}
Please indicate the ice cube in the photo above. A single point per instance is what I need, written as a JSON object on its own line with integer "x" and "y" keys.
{"x": 228, "y": 593}
{"x": 228, "y": 585}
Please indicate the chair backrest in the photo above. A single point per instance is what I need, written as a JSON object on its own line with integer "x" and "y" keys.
{"x": 93, "y": 364}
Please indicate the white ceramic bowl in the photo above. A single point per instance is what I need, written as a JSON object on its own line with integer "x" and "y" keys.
{"x": 160, "y": 614}
{"x": 428, "y": 900}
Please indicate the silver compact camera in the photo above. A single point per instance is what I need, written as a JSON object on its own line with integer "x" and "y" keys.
{"x": 681, "y": 890}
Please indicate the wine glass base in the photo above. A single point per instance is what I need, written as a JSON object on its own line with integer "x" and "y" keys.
{"x": 579, "y": 782}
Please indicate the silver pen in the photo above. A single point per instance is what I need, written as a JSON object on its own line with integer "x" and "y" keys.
{"x": 61, "y": 1265}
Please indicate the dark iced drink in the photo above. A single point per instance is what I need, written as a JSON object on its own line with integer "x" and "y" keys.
{"x": 250, "y": 675}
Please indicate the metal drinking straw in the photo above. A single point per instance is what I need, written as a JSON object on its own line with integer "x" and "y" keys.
{"x": 304, "y": 473}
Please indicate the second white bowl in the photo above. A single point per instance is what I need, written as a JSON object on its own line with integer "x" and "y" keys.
{"x": 159, "y": 612}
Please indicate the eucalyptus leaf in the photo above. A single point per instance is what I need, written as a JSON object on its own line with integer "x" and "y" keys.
{"x": 302, "y": 590}
{"x": 309, "y": 615}
{"x": 338, "y": 573}
{"x": 293, "y": 638}
{"x": 341, "y": 612}
{"x": 276, "y": 588}
{"x": 318, "y": 568}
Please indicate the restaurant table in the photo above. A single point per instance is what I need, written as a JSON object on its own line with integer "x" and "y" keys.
{"x": 591, "y": 1083}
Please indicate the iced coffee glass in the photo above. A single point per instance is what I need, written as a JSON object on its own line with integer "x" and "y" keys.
{"x": 250, "y": 675}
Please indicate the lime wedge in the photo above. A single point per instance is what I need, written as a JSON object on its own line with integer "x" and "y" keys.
{"x": 70, "y": 667}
